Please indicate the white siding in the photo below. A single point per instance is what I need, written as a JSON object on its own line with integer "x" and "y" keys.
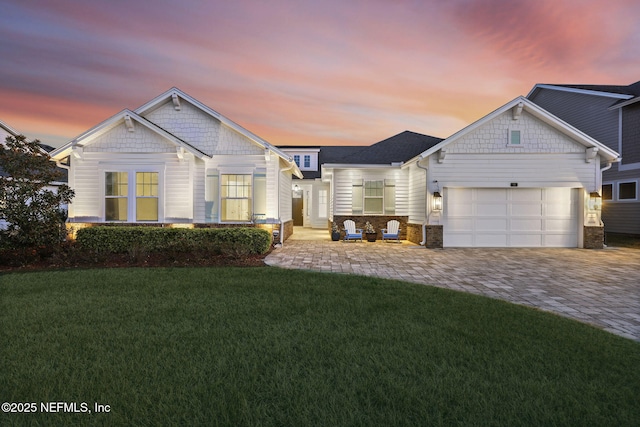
{"x": 88, "y": 180}
{"x": 343, "y": 182}
{"x": 285, "y": 195}
{"x": 417, "y": 194}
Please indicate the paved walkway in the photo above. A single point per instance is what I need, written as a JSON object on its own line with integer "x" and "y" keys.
{"x": 600, "y": 287}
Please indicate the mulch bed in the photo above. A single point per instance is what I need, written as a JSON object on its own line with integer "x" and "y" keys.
{"x": 68, "y": 257}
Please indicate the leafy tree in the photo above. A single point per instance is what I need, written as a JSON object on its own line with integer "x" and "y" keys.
{"x": 32, "y": 211}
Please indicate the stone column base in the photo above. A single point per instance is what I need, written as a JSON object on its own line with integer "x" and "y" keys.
{"x": 434, "y": 236}
{"x": 593, "y": 237}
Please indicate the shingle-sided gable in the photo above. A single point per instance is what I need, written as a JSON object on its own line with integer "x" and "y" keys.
{"x": 492, "y": 137}
{"x": 189, "y": 123}
{"x": 120, "y": 140}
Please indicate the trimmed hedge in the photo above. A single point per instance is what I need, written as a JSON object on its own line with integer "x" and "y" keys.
{"x": 124, "y": 239}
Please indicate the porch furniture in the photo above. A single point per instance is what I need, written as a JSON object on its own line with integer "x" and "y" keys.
{"x": 351, "y": 232}
{"x": 392, "y": 231}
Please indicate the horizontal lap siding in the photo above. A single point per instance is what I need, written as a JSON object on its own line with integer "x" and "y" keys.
{"x": 343, "y": 182}
{"x": 417, "y": 191}
{"x": 621, "y": 217}
{"x": 87, "y": 179}
{"x": 530, "y": 170}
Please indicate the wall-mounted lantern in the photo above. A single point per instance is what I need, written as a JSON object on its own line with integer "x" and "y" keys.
{"x": 595, "y": 201}
{"x": 437, "y": 201}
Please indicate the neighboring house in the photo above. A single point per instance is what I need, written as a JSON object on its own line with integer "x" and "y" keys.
{"x": 518, "y": 177}
{"x": 610, "y": 114}
{"x": 174, "y": 160}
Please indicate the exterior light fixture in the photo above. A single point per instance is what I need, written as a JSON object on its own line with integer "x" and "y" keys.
{"x": 595, "y": 201}
{"x": 437, "y": 201}
{"x": 296, "y": 187}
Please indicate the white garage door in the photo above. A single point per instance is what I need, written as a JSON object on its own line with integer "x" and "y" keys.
{"x": 510, "y": 217}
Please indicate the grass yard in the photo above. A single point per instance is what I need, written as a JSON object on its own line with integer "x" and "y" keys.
{"x": 265, "y": 346}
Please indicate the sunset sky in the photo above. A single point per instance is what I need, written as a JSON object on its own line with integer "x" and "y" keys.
{"x": 304, "y": 72}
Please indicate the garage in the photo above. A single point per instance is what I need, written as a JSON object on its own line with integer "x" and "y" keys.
{"x": 510, "y": 217}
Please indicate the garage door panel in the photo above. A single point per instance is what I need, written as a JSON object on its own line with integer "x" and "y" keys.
{"x": 526, "y": 209}
{"x": 527, "y": 225}
{"x": 526, "y": 240}
{"x": 491, "y": 224}
{"x": 491, "y": 240}
{"x": 512, "y": 217}
{"x": 527, "y": 195}
{"x": 485, "y": 209}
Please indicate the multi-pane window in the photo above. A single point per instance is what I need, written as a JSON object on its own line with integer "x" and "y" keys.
{"x": 146, "y": 196}
{"x": 120, "y": 199}
{"x": 322, "y": 203}
{"x": 116, "y": 193}
{"x": 307, "y": 161}
{"x": 235, "y": 197}
{"x": 373, "y": 197}
{"x": 296, "y": 158}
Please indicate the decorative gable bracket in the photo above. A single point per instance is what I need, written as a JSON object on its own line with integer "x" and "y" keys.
{"x": 176, "y": 102}
{"x": 441, "y": 155}
{"x": 517, "y": 110}
{"x": 128, "y": 123}
{"x": 77, "y": 151}
{"x": 267, "y": 155}
{"x": 591, "y": 154}
{"x": 180, "y": 153}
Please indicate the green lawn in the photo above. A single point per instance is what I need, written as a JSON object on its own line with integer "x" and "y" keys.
{"x": 265, "y": 346}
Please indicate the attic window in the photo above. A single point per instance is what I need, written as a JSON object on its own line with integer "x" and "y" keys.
{"x": 515, "y": 138}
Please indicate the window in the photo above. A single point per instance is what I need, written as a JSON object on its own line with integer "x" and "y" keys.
{"x": 627, "y": 190}
{"x": 296, "y": 158}
{"x": 146, "y": 196}
{"x": 121, "y": 203}
{"x": 307, "y": 161}
{"x": 373, "y": 197}
{"x": 235, "y": 197}
{"x": 322, "y": 203}
{"x": 607, "y": 191}
{"x": 515, "y": 138}
{"x": 116, "y": 195}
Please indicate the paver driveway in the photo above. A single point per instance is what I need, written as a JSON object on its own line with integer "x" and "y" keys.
{"x": 600, "y": 287}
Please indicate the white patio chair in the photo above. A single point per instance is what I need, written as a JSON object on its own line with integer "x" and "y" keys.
{"x": 351, "y": 232}
{"x": 392, "y": 231}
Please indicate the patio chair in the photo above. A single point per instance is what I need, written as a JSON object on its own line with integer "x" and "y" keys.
{"x": 351, "y": 232}
{"x": 392, "y": 231}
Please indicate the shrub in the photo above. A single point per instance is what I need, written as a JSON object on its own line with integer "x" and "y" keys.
{"x": 103, "y": 239}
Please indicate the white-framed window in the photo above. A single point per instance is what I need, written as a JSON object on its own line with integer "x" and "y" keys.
{"x": 116, "y": 196}
{"x": 607, "y": 191}
{"x": 514, "y": 137}
{"x": 296, "y": 158}
{"x": 307, "y": 161}
{"x": 131, "y": 195}
{"x": 627, "y": 190}
{"x": 373, "y": 197}
{"x": 322, "y": 203}
{"x": 235, "y": 197}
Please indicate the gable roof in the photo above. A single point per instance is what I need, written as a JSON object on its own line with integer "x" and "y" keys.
{"x": 123, "y": 116}
{"x": 623, "y": 95}
{"x": 174, "y": 91}
{"x": 396, "y": 149}
{"x": 539, "y": 113}
{"x": 137, "y": 115}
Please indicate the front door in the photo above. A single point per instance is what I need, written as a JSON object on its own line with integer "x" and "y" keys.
{"x": 297, "y": 206}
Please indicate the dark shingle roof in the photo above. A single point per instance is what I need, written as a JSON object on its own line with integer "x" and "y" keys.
{"x": 632, "y": 89}
{"x": 398, "y": 148}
